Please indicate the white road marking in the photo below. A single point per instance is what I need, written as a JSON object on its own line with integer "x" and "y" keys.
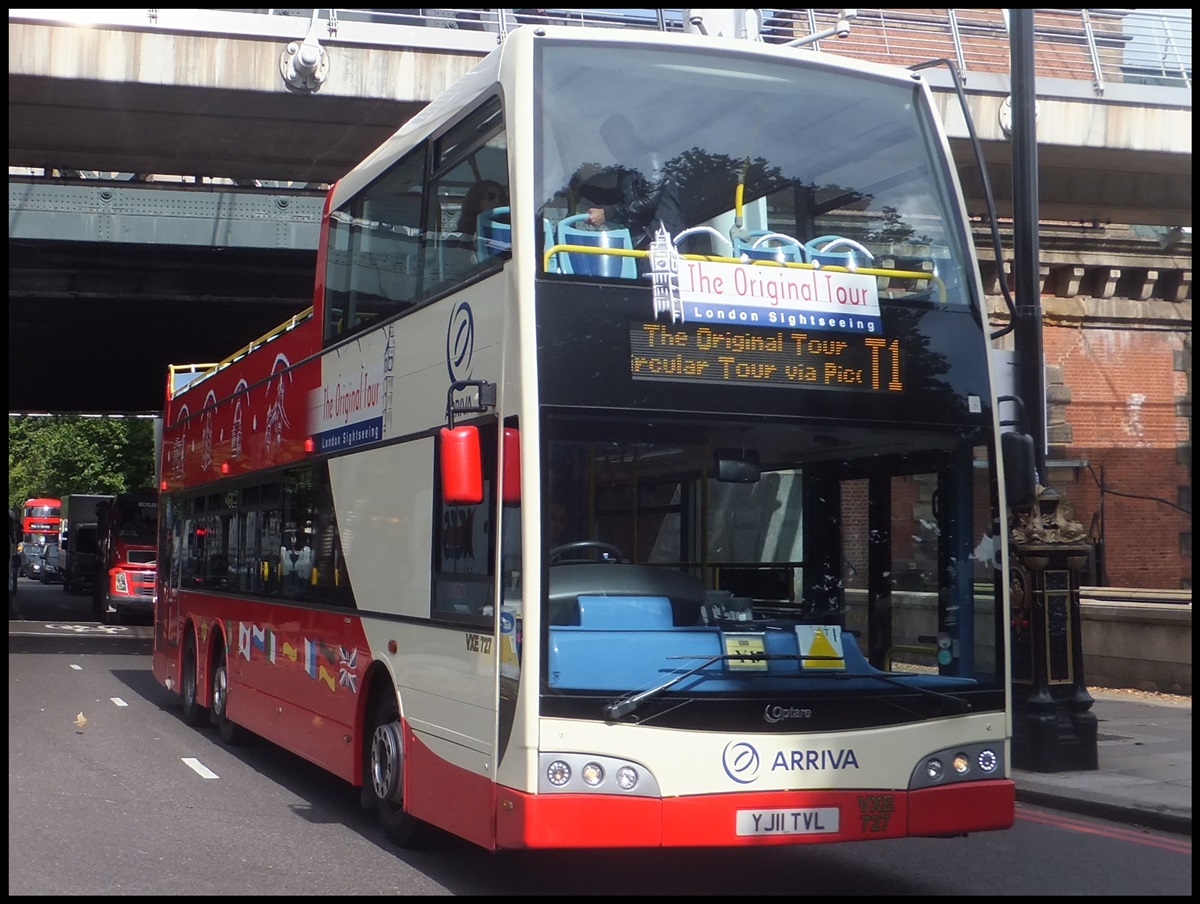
{"x": 77, "y": 668}
{"x": 118, "y": 701}
{"x": 200, "y": 769}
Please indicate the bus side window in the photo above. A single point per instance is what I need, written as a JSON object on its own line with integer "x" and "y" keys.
{"x": 373, "y": 263}
{"x": 470, "y": 179}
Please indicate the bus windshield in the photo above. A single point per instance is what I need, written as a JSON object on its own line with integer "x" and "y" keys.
{"x": 772, "y": 164}
{"x": 870, "y": 531}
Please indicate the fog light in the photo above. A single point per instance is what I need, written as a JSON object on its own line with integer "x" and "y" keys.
{"x": 988, "y": 761}
{"x": 627, "y": 778}
{"x": 592, "y": 774}
{"x": 962, "y": 763}
{"x": 558, "y": 773}
{"x": 934, "y": 769}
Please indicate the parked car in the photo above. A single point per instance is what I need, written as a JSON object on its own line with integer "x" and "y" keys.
{"x": 51, "y": 571}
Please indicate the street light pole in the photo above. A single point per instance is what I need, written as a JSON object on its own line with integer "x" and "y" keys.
{"x": 1027, "y": 335}
{"x": 1054, "y": 728}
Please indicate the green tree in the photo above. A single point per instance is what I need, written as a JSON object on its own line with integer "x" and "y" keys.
{"x": 56, "y": 456}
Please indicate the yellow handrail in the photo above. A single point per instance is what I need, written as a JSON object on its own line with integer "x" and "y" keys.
{"x": 289, "y": 324}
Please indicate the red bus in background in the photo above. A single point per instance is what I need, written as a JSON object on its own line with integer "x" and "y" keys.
{"x": 40, "y": 521}
{"x": 127, "y": 537}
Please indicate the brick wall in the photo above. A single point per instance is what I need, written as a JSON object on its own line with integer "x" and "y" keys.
{"x": 1120, "y": 400}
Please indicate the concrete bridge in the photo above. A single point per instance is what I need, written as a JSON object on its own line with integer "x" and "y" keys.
{"x": 141, "y": 139}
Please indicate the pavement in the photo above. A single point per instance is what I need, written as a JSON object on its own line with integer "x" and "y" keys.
{"x": 1144, "y": 750}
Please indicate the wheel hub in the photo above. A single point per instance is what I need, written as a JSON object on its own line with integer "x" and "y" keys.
{"x": 385, "y": 762}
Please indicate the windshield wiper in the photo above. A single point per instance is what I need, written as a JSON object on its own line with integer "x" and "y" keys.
{"x": 625, "y": 705}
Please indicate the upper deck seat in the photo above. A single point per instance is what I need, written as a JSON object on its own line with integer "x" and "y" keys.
{"x": 587, "y": 264}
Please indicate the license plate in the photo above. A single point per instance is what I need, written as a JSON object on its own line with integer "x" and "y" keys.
{"x": 809, "y": 821}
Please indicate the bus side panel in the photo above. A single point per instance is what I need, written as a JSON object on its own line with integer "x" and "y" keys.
{"x": 295, "y": 675}
{"x": 297, "y": 729}
{"x": 448, "y": 796}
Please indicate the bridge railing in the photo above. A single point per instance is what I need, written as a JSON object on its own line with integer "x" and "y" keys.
{"x": 1102, "y": 46}
{"x": 1099, "y": 47}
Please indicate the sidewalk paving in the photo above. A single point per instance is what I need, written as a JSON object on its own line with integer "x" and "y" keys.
{"x": 1145, "y": 777}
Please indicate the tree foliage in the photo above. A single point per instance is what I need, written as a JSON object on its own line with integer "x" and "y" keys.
{"x": 57, "y": 456}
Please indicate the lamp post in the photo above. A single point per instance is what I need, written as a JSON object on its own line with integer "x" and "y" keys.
{"x": 1054, "y": 728}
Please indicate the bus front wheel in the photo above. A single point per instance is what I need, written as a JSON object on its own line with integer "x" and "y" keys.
{"x": 383, "y": 778}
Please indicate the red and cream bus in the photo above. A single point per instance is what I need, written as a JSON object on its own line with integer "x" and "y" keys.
{"x": 650, "y": 534}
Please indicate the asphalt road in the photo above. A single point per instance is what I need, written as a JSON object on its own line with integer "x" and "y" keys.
{"x": 111, "y": 793}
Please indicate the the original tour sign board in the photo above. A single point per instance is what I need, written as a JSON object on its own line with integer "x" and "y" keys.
{"x": 733, "y": 323}
{"x": 698, "y": 352}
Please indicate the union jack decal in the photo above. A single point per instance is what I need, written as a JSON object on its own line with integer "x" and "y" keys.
{"x": 347, "y": 667}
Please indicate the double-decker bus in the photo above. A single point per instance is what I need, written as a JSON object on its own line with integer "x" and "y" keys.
{"x": 557, "y": 535}
{"x": 40, "y": 520}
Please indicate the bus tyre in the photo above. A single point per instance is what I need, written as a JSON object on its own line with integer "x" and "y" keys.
{"x": 231, "y": 733}
{"x": 193, "y": 712}
{"x": 383, "y": 777}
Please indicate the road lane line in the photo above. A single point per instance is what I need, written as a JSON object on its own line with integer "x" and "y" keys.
{"x": 200, "y": 769}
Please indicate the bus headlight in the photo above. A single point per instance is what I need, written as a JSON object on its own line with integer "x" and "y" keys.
{"x": 988, "y": 761}
{"x": 594, "y": 773}
{"x": 558, "y": 773}
{"x": 627, "y": 778}
{"x": 962, "y": 763}
{"x": 122, "y": 582}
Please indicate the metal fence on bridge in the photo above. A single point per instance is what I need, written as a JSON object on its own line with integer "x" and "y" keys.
{"x": 1103, "y": 47}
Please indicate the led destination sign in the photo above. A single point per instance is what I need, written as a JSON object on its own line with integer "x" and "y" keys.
{"x": 696, "y": 353}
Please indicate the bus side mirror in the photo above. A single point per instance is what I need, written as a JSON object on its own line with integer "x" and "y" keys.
{"x": 1020, "y": 470}
{"x": 461, "y": 466}
{"x": 512, "y": 466}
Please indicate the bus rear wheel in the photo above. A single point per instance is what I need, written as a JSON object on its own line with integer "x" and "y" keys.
{"x": 383, "y": 776}
{"x": 231, "y": 733}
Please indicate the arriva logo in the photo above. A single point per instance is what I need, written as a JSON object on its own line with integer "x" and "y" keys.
{"x": 460, "y": 342}
{"x": 741, "y": 762}
{"x": 818, "y": 760}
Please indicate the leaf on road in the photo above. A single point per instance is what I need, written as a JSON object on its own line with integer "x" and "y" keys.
{"x": 80, "y": 721}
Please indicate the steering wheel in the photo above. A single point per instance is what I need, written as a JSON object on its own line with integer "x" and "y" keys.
{"x": 559, "y": 554}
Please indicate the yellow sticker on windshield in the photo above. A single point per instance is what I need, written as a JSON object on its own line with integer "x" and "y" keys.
{"x": 747, "y": 651}
{"x": 820, "y": 647}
